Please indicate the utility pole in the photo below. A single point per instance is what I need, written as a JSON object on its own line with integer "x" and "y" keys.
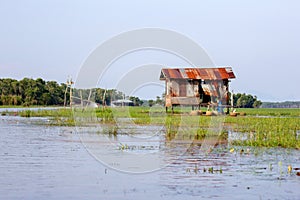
{"x": 69, "y": 85}
{"x": 103, "y": 100}
{"x": 81, "y": 99}
{"x": 231, "y": 100}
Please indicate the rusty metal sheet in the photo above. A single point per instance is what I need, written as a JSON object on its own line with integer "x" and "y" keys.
{"x": 193, "y": 73}
{"x": 183, "y": 73}
{"x": 198, "y": 73}
{"x": 204, "y": 74}
{"x": 223, "y": 73}
{"x": 230, "y": 72}
{"x": 172, "y": 73}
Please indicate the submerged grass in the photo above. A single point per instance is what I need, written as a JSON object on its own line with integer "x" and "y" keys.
{"x": 271, "y": 112}
{"x": 262, "y": 127}
{"x": 58, "y": 117}
{"x": 270, "y": 132}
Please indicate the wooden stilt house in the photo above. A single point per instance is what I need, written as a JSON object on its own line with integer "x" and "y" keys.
{"x": 197, "y": 86}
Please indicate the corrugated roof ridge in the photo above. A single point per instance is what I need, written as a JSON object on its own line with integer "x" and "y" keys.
{"x": 212, "y": 73}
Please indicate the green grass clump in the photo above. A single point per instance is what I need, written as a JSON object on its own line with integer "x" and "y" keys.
{"x": 105, "y": 114}
{"x": 62, "y": 112}
{"x": 271, "y": 112}
{"x": 268, "y": 132}
{"x": 58, "y": 117}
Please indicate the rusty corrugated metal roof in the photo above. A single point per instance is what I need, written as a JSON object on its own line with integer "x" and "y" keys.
{"x": 198, "y": 73}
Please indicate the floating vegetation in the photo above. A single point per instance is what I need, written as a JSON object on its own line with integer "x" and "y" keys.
{"x": 110, "y": 129}
{"x": 210, "y": 170}
{"x": 127, "y": 147}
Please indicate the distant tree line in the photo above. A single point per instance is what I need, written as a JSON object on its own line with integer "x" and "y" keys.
{"x": 30, "y": 91}
{"x": 245, "y": 101}
{"x": 286, "y": 104}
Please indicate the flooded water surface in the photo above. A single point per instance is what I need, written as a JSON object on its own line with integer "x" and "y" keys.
{"x": 47, "y": 162}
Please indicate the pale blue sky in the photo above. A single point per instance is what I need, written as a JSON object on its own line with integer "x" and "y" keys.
{"x": 259, "y": 39}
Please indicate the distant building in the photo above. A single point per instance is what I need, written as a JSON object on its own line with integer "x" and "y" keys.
{"x": 92, "y": 104}
{"x": 197, "y": 86}
{"x": 122, "y": 102}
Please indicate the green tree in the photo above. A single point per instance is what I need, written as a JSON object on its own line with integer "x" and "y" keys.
{"x": 151, "y": 102}
{"x": 246, "y": 101}
{"x": 53, "y": 94}
{"x": 159, "y": 100}
{"x": 136, "y": 101}
{"x": 257, "y": 103}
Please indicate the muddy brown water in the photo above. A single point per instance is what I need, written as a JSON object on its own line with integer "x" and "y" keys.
{"x": 47, "y": 162}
